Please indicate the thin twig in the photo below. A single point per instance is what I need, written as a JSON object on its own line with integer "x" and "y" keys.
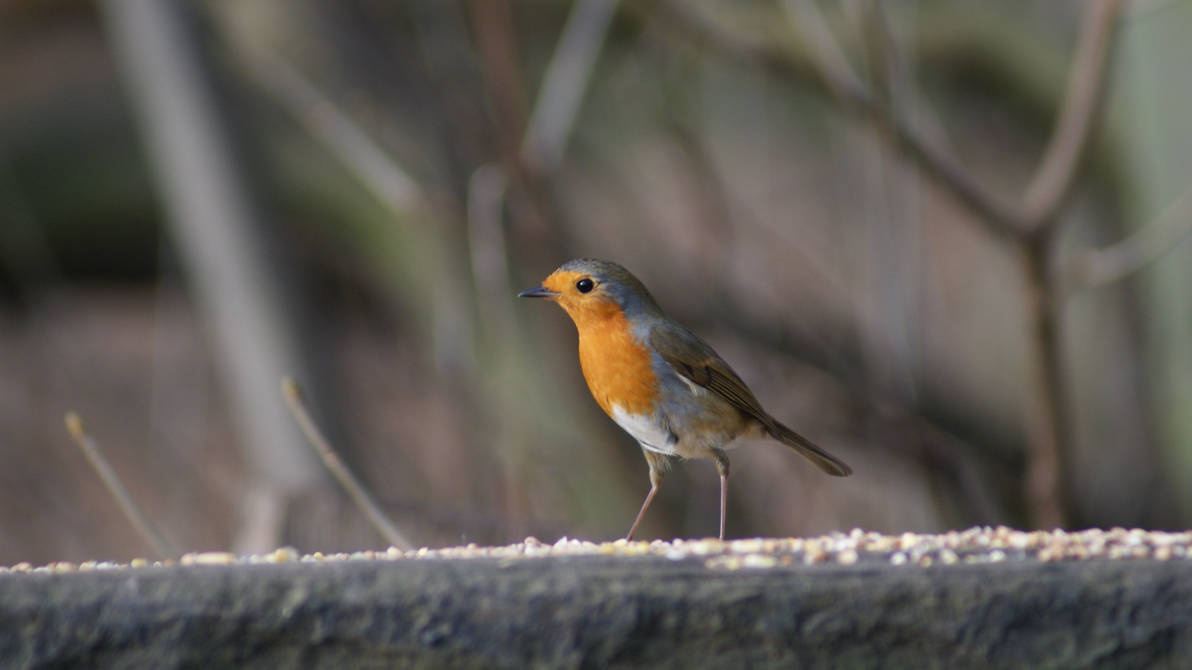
{"x": 1056, "y": 171}
{"x": 566, "y": 79}
{"x": 808, "y": 21}
{"x": 325, "y": 121}
{"x": 353, "y": 487}
{"x": 106, "y": 474}
{"x": 1098, "y": 267}
{"x": 1001, "y": 217}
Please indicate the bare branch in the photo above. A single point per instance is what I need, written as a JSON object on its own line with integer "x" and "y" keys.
{"x": 325, "y": 121}
{"x": 351, "y": 485}
{"x": 1082, "y": 99}
{"x": 563, "y": 85}
{"x": 112, "y": 482}
{"x": 805, "y": 17}
{"x": 1001, "y": 217}
{"x": 1098, "y": 267}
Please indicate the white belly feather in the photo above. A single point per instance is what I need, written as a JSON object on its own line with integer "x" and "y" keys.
{"x": 645, "y": 430}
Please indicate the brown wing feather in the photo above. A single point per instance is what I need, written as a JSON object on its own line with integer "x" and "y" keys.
{"x": 698, "y": 362}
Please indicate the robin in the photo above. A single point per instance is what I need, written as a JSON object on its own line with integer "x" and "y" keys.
{"x": 657, "y": 380}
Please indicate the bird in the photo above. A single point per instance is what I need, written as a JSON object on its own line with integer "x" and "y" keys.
{"x": 659, "y": 381}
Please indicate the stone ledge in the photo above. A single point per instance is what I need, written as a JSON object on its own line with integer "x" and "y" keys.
{"x": 595, "y": 609}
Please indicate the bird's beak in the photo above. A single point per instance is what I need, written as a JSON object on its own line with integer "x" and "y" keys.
{"x": 538, "y": 292}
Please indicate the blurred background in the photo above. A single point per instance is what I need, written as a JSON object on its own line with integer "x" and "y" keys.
{"x": 198, "y": 198}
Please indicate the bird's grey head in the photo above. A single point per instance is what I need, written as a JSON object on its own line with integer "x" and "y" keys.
{"x": 616, "y": 282}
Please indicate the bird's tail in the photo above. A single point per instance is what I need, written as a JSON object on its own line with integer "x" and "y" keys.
{"x": 809, "y": 450}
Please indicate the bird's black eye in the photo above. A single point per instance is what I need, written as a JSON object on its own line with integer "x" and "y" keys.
{"x": 584, "y": 285}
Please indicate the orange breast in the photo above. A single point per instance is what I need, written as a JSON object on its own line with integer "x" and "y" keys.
{"x": 616, "y": 366}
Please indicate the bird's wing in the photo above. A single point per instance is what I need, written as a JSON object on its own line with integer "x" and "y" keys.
{"x": 692, "y": 358}
{"x": 697, "y": 362}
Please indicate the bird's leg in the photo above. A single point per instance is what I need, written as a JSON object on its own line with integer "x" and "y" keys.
{"x": 642, "y": 511}
{"x": 722, "y": 467}
{"x": 658, "y": 464}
